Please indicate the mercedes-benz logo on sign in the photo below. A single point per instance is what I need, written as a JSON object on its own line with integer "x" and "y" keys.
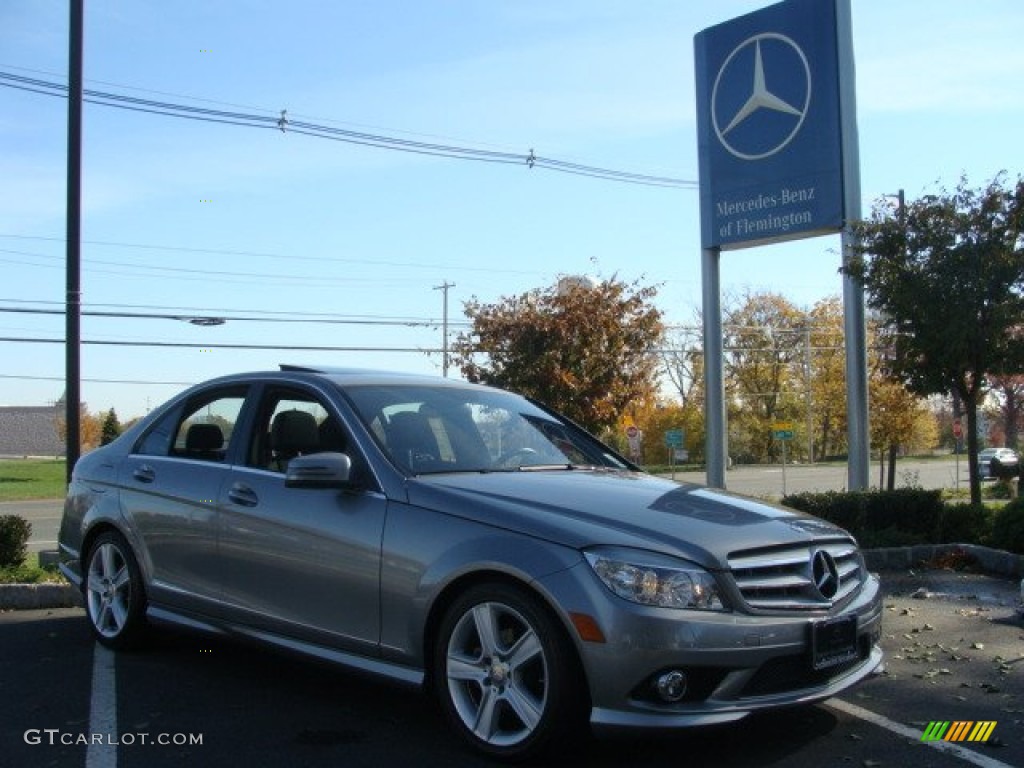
{"x": 774, "y": 74}
{"x": 825, "y": 574}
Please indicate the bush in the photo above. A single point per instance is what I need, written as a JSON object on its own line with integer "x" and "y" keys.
{"x": 14, "y": 535}
{"x": 964, "y": 524}
{"x": 910, "y": 516}
{"x": 1008, "y": 527}
{"x": 1001, "y": 489}
{"x": 844, "y": 508}
{"x": 876, "y": 518}
{"x": 913, "y": 510}
{"x": 889, "y": 537}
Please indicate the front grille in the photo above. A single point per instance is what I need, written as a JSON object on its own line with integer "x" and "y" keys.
{"x": 794, "y": 673}
{"x": 781, "y": 578}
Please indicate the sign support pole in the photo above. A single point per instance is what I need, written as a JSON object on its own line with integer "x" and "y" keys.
{"x": 858, "y": 434}
{"x": 714, "y": 379}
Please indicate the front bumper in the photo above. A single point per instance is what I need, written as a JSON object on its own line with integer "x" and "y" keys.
{"x": 734, "y": 663}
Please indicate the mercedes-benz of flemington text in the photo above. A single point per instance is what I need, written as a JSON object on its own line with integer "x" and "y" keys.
{"x": 468, "y": 540}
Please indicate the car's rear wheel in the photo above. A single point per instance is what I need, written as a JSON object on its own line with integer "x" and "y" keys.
{"x": 506, "y": 674}
{"x": 115, "y": 598}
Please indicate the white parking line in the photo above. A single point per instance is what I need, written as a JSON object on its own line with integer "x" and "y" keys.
{"x": 102, "y": 711}
{"x": 901, "y": 730}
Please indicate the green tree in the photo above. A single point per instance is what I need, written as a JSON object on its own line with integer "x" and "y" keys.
{"x": 764, "y": 365}
{"x": 583, "y": 349}
{"x": 110, "y": 428}
{"x": 828, "y": 376}
{"x": 947, "y": 277}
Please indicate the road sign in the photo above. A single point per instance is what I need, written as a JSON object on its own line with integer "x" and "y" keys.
{"x": 782, "y": 430}
{"x": 958, "y": 429}
{"x": 674, "y": 438}
{"x": 632, "y": 431}
{"x": 769, "y": 125}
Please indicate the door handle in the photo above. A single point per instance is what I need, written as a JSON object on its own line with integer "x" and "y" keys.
{"x": 243, "y": 495}
{"x": 144, "y": 474}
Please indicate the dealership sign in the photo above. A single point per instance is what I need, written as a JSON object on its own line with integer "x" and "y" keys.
{"x": 769, "y": 126}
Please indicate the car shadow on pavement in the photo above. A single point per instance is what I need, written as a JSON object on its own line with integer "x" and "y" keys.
{"x": 274, "y": 708}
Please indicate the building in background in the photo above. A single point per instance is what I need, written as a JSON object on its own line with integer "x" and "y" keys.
{"x": 30, "y": 430}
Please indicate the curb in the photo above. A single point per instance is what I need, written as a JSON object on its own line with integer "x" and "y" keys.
{"x": 21, "y": 597}
{"x": 993, "y": 561}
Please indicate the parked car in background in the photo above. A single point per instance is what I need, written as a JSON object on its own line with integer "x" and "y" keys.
{"x": 1006, "y": 459}
{"x": 470, "y": 541}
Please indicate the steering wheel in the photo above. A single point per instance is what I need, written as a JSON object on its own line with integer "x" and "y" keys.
{"x": 514, "y": 458}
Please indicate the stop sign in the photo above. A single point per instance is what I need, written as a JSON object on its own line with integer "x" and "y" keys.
{"x": 632, "y": 431}
{"x": 958, "y": 429}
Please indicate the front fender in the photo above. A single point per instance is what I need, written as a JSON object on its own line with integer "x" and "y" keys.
{"x": 426, "y": 552}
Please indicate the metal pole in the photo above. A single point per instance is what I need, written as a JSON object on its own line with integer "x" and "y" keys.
{"x": 715, "y": 447}
{"x": 853, "y": 291}
{"x": 73, "y": 308}
{"x": 810, "y": 419}
{"x": 784, "y": 466}
{"x": 444, "y": 325}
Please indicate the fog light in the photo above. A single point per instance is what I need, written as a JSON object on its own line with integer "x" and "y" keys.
{"x": 671, "y": 686}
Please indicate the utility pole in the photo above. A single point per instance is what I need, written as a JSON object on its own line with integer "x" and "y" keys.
{"x": 901, "y": 213}
{"x": 73, "y": 306}
{"x": 443, "y": 287}
{"x": 807, "y": 369}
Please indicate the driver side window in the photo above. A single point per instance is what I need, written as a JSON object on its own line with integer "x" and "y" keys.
{"x": 291, "y": 423}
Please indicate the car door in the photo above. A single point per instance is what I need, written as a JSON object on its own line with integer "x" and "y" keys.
{"x": 303, "y": 563}
{"x": 170, "y": 484}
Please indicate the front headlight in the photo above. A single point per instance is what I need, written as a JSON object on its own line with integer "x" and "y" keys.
{"x": 651, "y": 579}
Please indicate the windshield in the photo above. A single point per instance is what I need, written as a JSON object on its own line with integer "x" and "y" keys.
{"x": 426, "y": 429}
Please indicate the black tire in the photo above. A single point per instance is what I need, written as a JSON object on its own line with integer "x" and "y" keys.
{"x": 505, "y": 674}
{"x": 115, "y": 598}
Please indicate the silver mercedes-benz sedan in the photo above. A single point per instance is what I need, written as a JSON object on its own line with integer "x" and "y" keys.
{"x": 468, "y": 540}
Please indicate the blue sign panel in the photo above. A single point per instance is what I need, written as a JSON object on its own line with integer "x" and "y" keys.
{"x": 768, "y": 122}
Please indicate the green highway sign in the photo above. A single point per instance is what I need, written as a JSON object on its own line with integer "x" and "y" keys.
{"x": 674, "y": 438}
{"x": 782, "y": 430}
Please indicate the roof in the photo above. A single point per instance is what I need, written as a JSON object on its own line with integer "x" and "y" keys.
{"x": 30, "y": 430}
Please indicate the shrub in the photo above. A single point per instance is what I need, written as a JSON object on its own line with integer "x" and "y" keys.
{"x": 876, "y": 518}
{"x": 964, "y": 524}
{"x": 844, "y": 508}
{"x": 913, "y": 510}
{"x": 889, "y": 537}
{"x": 999, "y": 490}
{"x": 1008, "y": 527}
{"x": 14, "y": 535}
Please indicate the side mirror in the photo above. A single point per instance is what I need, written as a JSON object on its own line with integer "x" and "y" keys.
{"x": 319, "y": 470}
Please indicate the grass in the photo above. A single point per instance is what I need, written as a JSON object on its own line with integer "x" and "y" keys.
{"x": 22, "y": 479}
{"x": 30, "y": 572}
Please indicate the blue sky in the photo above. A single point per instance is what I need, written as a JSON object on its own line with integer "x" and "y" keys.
{"x": 192, "y": 217}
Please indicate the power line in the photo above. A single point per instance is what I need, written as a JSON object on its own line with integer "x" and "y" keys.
{"x": 100, "y": 381}
{"x": 258, "y": 254}
{"x": 396, "y": 319}
{"x": 362, "y": 138}
{"x": 190, "y": 345}
{"x": 409, "y": 323}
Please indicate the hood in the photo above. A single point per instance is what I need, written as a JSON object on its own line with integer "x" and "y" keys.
{"x": 582, "y": 508}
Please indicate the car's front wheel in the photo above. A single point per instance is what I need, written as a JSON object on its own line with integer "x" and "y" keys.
{"x": 506, "y": 674}
{"x": 114, "y": 593}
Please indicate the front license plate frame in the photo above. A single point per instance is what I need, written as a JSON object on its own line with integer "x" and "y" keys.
{"x": 833, "y": 642}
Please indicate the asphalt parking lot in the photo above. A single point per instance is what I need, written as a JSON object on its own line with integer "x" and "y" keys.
{"x": 954, "y": 641}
